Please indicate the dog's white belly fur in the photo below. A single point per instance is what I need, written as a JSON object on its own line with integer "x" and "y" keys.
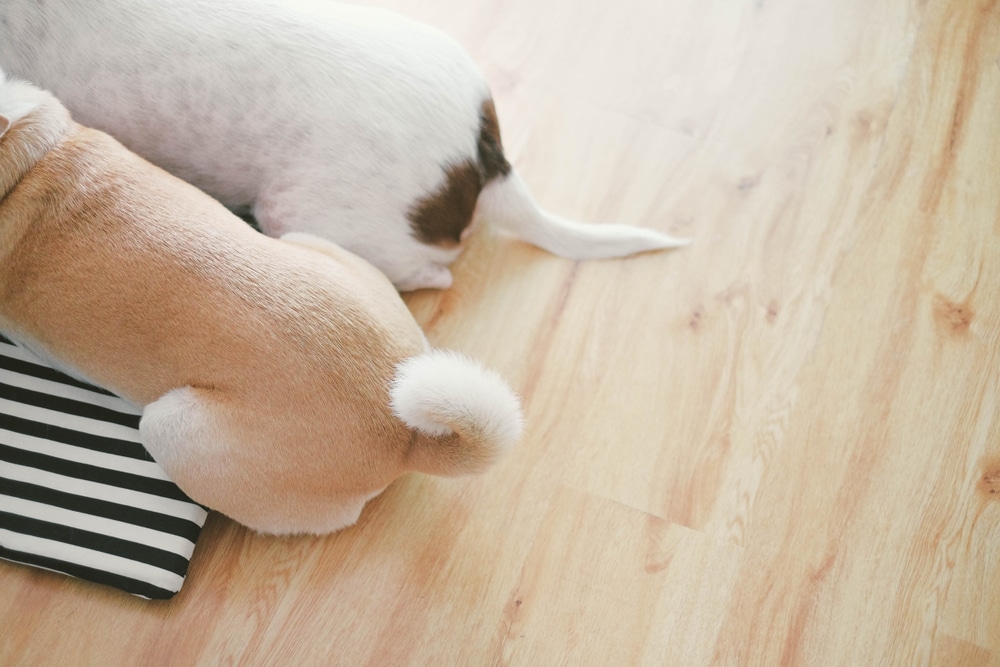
{"x": 322, "y": 125}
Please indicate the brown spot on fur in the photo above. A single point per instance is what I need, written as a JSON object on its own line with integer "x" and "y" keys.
{"x": 442, "y": 216}
{"x": 491, "y": 158}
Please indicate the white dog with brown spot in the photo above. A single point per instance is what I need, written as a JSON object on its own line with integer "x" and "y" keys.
{"x": 350, "y": 123}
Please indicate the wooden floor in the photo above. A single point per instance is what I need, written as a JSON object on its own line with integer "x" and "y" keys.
{"x": 779, "y": 446}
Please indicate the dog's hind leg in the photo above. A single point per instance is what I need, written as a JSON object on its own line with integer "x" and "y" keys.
{"x": 185, "y": 433}
{"x": 191, "y": 434}
{"x": 206, "y": 450}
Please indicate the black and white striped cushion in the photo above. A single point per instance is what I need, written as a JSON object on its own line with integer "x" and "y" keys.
{"x": 78, "y": 493}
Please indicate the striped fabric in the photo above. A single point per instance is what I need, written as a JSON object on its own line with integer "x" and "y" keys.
{"x": 78, "y": 493}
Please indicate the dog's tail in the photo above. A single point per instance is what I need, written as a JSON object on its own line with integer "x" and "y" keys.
{"x": 506, "y": 203}
{"x": 464, "y": 415}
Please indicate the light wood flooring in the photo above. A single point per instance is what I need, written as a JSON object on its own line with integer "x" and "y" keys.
{"x": 779, "y": 446}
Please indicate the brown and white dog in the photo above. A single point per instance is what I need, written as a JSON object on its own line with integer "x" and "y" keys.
{"x": 283, "y": 382}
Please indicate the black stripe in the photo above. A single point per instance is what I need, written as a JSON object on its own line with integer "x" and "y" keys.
{"x": 91, "y": 473}
{"x": 97, "y": 443}
{"x": 127, "y": 584}
{"x": 67, "y": 405}
{"x": 45, "y": 372}
{"x": 116, "y": 546}
{"x": 164, "y": 523}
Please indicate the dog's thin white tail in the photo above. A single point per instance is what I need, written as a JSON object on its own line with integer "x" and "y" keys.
{"x": 506, "y": 204}
{"x": 465, "y": 416}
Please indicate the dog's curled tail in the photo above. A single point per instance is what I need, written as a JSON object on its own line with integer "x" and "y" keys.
{"x": 465, "y": 416}
{"x": 506, "y": 203}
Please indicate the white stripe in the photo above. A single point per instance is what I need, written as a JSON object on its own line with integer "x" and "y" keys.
{"x": 17, "y": 352}
{"x": 98, "y": 491}
{"x": 60, "y": 450}
{"x": 97, "y": 524}
{"x": 63, "y": 420}
{"x": 63, "y": 390}
{"x": 97, "y": 560}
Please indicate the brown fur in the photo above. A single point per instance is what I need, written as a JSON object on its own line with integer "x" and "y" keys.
{"x": 144, "y": 284}
{"x": 492, "y": 161}
{"x": 442, "y": 216}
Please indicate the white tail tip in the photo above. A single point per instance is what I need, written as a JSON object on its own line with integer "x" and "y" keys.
{"x": 440, "y": 392}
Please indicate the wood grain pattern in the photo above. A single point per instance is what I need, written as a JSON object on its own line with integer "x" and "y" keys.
{"x": 779, "y": 446}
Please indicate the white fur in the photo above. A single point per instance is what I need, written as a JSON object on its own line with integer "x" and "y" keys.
{"x": 507, "y": 204}
{"x": 440, "y": 392}
{"x": 21, "y": 100}
{"x": 317, "y": 117}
